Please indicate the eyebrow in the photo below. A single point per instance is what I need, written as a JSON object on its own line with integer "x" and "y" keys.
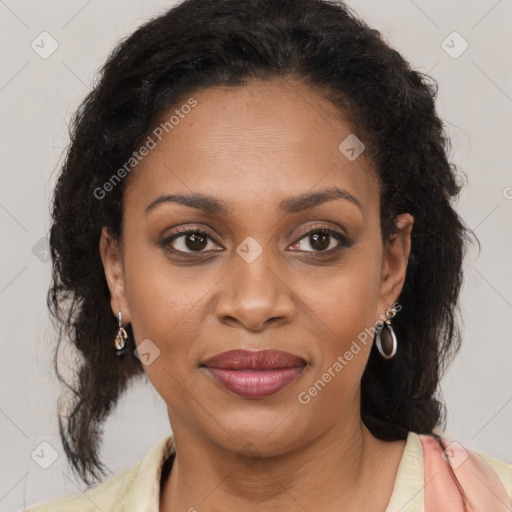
{"x": 289, "y": 205}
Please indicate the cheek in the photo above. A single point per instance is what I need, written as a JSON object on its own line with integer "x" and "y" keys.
{"x": 159, "y": 293}
{"x": 163, "y": 310}
{"x": 343, "y": 298}
{"x": 164, "y": 303}
{"x": 342, "y": 308}
{"x": 345, "y": 319}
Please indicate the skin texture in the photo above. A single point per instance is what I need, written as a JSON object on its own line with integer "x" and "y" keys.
{"x": 252, "y": 147}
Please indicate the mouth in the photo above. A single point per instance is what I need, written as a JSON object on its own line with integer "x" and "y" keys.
{"x": 255, "y": 374}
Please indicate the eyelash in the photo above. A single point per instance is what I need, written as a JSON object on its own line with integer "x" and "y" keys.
{"x": 343, "y": 241}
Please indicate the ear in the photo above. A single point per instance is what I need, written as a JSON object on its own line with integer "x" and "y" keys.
{"x": 110, "y": 252}
{"x": 394, "y": 263}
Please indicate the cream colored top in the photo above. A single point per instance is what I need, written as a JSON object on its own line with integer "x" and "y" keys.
{"x": 137, "y": 489}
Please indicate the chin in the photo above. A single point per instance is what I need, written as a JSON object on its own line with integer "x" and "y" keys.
{"x": 265, "y": 432}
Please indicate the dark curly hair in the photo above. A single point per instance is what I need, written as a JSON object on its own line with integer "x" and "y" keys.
{"x": 199, "y": 44}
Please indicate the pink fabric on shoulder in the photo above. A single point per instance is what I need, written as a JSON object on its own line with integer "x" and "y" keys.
{"x": 484, "y": 490}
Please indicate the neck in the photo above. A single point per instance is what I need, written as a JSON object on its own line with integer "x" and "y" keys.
{"x": 334, "y": 471}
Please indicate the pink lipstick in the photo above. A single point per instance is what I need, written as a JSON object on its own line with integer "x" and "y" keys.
{"x": 255, "y": 374}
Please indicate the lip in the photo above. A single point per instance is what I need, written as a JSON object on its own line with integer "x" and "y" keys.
{"x": 255, "y": 374}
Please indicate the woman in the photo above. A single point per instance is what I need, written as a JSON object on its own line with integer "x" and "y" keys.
{"x": 255, "y": 212}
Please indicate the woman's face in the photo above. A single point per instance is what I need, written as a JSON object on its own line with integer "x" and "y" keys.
{"x": 257, "y": 170}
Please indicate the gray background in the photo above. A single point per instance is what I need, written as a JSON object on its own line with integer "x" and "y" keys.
{"x": 37, "y": 97}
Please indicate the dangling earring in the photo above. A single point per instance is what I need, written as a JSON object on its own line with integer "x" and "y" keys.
{"x": 386, "y": 339}
{"x": 119, "y": 342}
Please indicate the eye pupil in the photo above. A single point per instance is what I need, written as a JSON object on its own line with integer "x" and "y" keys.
{"x": 196, "y": 242}
{"x": 319, "y": 241}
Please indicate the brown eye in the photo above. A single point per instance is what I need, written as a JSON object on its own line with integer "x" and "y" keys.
{"x": 188, "y": 241}
{"x": 196, "y": 242}
{"x": 321, "y": 240}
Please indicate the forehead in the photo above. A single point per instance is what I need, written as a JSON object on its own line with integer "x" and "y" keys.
{"x": 247, "y": 143}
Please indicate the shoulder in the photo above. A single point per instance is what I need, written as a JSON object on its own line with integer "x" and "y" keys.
{"x": 429, "y": 476}
{"x": 485, "y": 480}
{"x": 102, "y": 497}
{"x": 502, "y": 469}
{"x": 135, "y": 488}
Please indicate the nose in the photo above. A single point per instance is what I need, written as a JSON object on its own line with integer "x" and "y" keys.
{"x": 254, "y": 296}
